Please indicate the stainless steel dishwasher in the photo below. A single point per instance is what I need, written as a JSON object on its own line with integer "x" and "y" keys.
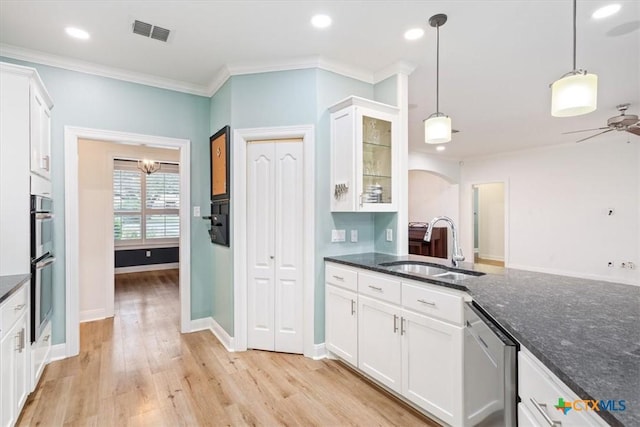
{"x": 490, "y": 391}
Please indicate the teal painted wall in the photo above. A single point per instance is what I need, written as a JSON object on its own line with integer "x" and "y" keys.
{"x": 86, "y": 100}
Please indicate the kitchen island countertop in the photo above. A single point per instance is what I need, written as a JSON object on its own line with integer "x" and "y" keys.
{"x": 585, "y": 331}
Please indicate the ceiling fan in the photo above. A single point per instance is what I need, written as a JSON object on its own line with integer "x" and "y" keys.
{"x": 621, "y": 122}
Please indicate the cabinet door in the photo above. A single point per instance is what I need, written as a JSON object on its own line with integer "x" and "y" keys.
{"x": 379, "y": 343}
{"x": 343, "y": 177}
{"x": 40, "y": 138}
{"x": 376, "y": 148}
{"x": 21, "y": 370}
{"x": 7, "y": 348}
{"x": 432, "y": 366}
{"x": 341, "y": 320}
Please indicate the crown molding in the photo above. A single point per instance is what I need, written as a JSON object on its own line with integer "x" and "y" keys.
{"x": 217, "y": 81}
{"x": 71, "y": 64}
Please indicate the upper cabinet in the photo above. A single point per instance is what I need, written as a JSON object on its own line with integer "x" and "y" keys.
{"x": 364, "y": 156}
{"x": 40, "y": 127}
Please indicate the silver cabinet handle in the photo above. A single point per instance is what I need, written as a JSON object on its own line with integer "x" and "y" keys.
{"x": 43, "y": 264}
{"x": 395, "y": 323}
{"x": 46, "y": 338}
{"x": 353, "y": 307}
{"x": 375, "y": 288}
{"x": 20, "y": 341}
{"x": 402, "y": 329}
{"x": 271, "y": 257}
{"x": 19, "y": 307}
{"x": 338, "y": 277}
{"x": 427, "y": 302}
{"x": 547, "y": 418}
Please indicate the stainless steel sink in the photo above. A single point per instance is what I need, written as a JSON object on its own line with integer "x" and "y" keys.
{"x": 454, "y": 275}
{"x": 415, "y": 268}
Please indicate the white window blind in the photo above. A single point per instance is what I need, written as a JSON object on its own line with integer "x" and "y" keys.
{"x": 156, "y": 220}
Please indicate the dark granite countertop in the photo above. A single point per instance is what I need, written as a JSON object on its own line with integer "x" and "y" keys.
{"x": 10, "y": 284}
{"x": 585, "y": 331}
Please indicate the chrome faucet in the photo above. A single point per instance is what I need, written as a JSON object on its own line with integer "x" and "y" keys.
{"x": 457, "y": 252}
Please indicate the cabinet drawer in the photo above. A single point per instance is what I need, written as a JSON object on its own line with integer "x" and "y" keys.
{"x": 343, "y": 277}
{"x": 379, "y": 287}
{"x": 539, "y": 391}
{"x": 14, "y": 307}
{"x": 436, "y": 304}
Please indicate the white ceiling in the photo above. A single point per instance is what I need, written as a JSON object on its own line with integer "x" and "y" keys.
{"x": 497, "y": 57}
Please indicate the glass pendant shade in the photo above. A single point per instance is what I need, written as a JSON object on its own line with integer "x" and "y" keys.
{"x": 574, "y": 95}
{"x": 437, "y": 129}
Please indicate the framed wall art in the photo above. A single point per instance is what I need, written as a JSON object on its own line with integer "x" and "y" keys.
{"x": 220, "y": 165}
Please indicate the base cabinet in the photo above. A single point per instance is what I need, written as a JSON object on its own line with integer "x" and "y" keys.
{"x": 414, "y": 352}
{"x": 14, "y": 358}
{"x": 40, "y": 355}
{"x": 341, "y": 324}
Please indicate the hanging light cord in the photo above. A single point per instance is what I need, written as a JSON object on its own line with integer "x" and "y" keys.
{"x": 574, "y": 35}
{"x": 438, "y": 70}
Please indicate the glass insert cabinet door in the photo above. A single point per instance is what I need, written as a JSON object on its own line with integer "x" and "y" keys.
{"x": 364, "y": 156}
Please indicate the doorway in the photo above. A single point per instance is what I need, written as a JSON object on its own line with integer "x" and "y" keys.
{"x": 72, "y": 240}
{"x": 274, "y": 244}
{"x": 489, "y": 223}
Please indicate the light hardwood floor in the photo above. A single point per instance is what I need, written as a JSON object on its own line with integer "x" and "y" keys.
{"x": 137, "y": 369}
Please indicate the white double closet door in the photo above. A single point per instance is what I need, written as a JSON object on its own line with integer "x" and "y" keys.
{"x": 275, "y": 245}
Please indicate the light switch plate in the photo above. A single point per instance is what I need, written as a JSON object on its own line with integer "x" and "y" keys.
{"x": 338, "y": 236}
{"x": 389, "y": 235}
{"x": 354, "y": 236}
{"x": 196, "y": 211}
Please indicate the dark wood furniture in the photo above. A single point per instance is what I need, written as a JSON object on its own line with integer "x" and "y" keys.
{"x": 436, "y": 248}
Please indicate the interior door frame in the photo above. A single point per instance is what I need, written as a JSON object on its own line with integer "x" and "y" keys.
{"x": 72, "y": 227}
{"x": 239, "y": 223}
{"x": 471, "y": 186}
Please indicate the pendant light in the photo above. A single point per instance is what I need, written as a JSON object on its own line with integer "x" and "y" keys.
{"x": 576, "y": 92}
{"x": 437, "y": 127}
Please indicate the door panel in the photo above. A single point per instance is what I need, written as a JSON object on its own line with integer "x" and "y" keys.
{"x": 260, "y": 234}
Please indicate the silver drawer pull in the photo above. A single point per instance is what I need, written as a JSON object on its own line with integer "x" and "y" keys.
{"x": 395, "y": 323}
{"x": 19, "y": 307}
{"x": 338, "y": 277}
{"x": 547, "y": 418}
{"x": 427, "y": 302}
{"x": 375, "y": 288}
{"x": 46, "y": 338}
{"x": 353, "y": 307}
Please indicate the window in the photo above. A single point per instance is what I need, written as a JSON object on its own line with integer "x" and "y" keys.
{"x": 146, "y": 207}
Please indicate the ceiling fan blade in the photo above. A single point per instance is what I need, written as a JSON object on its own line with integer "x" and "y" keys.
{"x": 593, "y": 136}
{"x": 584, "y": 130}
{"x": 635, "y": 129}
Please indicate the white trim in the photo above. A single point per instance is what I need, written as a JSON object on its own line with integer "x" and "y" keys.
{"x": 148, "y": 267}
{"x": 218, "y": 79}
{"x": 91, "y": 315}
{"x": 319, "y": 352}
{"x": 402, "y": 218}
{"x": 67, "y": 63}
{"x": 400, "y": 67}
{"x": 239, "y": 219}
{"x": 209, "y": 324}
{"x": 58, "y": 352}
{"x": 72, "y": 304}
{"x": 490, "y": 257}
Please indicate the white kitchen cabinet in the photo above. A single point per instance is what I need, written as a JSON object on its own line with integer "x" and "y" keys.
{"x": 40, "y": 355}
{"x": 379, "y": 341}
{"x": 341, "y": 326}
{"x": 364, "y": 156}
{"x": 539, "y": 390}
{"x": 432, "y": 361}
{"x": 40, "y": 130}
{"x": 14, "y": 356}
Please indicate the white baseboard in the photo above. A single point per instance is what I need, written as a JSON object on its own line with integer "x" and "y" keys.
{"x": 319, "y": 351}
{"x": 58, "y": 352}
{"x": 491, "y": 257}
{"x": 208, "y": 323}
{"x": 150, "y": 267}
{"x": 91, "y": 315}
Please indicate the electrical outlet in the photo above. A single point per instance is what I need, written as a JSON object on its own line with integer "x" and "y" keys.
{"x": 196, "y": 211}
{"x": 389, "y": 235}
{"x": 148, "y": 254}
{"x": 338, "y": 236}
{"x": 354, "y": 236}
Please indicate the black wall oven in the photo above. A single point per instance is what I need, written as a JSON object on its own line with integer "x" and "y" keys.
{"x": 42, "y": 264}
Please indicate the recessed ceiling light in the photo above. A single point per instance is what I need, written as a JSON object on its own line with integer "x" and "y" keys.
{"x": 414, "y": 34}
{"x": 441, "y": 148}
{"x": 321, "y": 21}
{"x": 606, "y": 11}
{"x": 77, "y": 33}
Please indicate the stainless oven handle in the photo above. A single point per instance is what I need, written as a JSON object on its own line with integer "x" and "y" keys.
{"x": 44, "y": 216}
{"x": 42, "y": 264}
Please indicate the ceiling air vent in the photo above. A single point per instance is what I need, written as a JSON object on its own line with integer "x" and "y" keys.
{"x": 148, "y": 30}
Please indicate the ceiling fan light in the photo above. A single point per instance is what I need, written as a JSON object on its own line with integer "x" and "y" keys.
{"x": 574, "y": 95}
{"x": 437, "y": 129}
